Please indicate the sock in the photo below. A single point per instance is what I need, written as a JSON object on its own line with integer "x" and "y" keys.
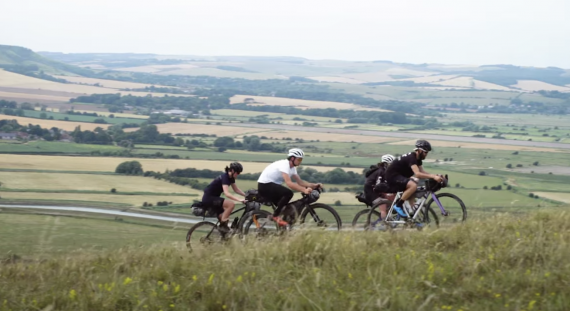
{"x": 400, "y": 203}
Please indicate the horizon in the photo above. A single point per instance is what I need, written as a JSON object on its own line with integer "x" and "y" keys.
{"x": 415, "y": 32}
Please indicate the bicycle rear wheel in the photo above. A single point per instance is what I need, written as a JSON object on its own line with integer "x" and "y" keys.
{"x": 362, "y": 220}
{"x": 456, "y": 212}
{"x": 203, "y": 233}
{"x": 321, "y": 217}
{"x": 428, "y": 218}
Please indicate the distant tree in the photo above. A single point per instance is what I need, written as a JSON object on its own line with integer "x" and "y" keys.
{"x": 337, "y": 203}
{"x": 129, "y": 168}
{"x": 509, "y": 165}
{"x": 482, "y": 173}
{"x": 43, "y": 115}
{"x": 113, "y": 190}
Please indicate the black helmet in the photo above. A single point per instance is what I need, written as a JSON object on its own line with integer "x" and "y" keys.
{"x": 236, "y": 167}
{"x": 423, "y": 144}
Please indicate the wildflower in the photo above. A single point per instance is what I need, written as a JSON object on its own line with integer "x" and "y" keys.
{"x": 172, "y": 305}
{"x": 165, "y": 287}
{"x": 127, "y": 281}
{"x": 72, "y": 294}
{"x": 239, "y": 279}
{"x": 177, "y": 288}
{"x": 350, "y": 275}
{"x": 210, "y": 279}
{"x": 531, "y": 304}
{"x": 497, "y": 295}
{"x": 547, "y": 274}
{"x": 195, "y": 278}
{"x": 160, "y": 283}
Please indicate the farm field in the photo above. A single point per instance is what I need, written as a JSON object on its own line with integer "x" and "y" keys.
{"x": 54, "y": 147}
{"x": 108, "y": 164}
{"x": 83, "y": 118}
{"x": 87, "y": 182}
{"x": 127, "y": 200}
{"x": 64, "y": 125}
{"x": 41, "y": 235}
{"x": 298, "y": 103}
{"x": 112, "y": 84}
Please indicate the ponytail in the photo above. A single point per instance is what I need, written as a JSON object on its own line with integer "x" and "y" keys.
{"x": 227, "y": 169}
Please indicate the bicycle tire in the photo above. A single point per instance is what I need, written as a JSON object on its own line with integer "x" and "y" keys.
{"x": 323, "y": 220}
{"x": 427, "y": 220}
{"x": 267, "y": 226}
{"x": 365, "y": 225}
{"x": 212, "y": 235}
{"x": 457, "y": 208}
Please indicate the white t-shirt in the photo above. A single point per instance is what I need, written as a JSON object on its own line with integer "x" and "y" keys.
{"x": 272, "y": 173}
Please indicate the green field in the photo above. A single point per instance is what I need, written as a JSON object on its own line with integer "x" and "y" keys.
{"x": 80, "y": 118}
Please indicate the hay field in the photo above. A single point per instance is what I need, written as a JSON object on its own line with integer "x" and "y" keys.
{"x": 32, "y": 97}
{"x": 298, "y": 103}
{"x": 64, "y": 125}
{"x": 189, "y": 128}
{"x": 96, "y": 164}
{"x": 533, "y": 85}
{"x": 88, "y": 182}
{"x": 430, "y": 79}
{"x": 556, "y": 196}
{"x": 14, "y": 80}
{"x": 135, "y": 200}
{"x": 334, "y": 79}
{"x": 113, "y": 84}
{"x": 498, "y": 146}
{"x": 469, "y": 82}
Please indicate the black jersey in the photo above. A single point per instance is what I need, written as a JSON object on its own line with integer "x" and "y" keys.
{"x": 403, "y": 165}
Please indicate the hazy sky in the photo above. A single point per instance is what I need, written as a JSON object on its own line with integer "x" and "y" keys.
{"x": 520, "y": 32}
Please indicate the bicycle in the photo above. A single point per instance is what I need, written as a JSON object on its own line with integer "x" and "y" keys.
{"x": 212, "y": 233}
{"x": 359, "y": 222}
{"x": 452, "y": 210}
{"x": 323, "y": 217}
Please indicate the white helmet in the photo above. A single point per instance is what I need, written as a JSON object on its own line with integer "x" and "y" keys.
{"x": 296, "y": 152}
{"x": 387, "y": 158}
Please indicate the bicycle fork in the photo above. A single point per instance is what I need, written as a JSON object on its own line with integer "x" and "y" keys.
{"x": 436, "y": 200}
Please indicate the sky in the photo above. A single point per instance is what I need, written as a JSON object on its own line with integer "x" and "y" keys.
{"x": 474, "y": 32}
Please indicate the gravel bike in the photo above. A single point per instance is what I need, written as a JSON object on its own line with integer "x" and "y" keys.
{"x": 422, "y": 214}
{"x": 207, "y": 232}
{"x": 304, "y": 213}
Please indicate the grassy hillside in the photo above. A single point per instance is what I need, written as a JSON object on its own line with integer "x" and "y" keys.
{"x": 501, "y": 264}
{"x": 23, "y": 60}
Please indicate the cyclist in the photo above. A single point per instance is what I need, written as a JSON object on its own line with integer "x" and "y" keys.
{"x": 375, "y": 185}
{"x": 224, "y": 207}
{"x": 270, "y": 180}
{"x": 404, "y": 173}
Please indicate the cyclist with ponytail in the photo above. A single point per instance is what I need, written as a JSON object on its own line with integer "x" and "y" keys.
{"x": 212, "y": 194}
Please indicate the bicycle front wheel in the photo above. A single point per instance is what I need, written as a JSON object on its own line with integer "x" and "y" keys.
{"x": 362, "y": 219}
{"x": 320, "y": 216}
{"x": 203, "y": 233}
{"x": 258, "y": 224}
{"x": 454, "y": 211}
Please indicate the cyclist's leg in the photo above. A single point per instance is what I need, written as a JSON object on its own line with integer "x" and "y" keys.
{"x": 277, "y": 194}
{"x": 228, "y": 207}
{"x": 384, "y": 207}
{"x": 401, "y": 183}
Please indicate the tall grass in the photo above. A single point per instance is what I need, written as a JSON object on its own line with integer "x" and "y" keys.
{"x": 506, "y": 263}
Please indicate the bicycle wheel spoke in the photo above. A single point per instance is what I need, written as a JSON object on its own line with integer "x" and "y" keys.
{"x": 455, "y": 211}
{"x": 320, "y": 217}
{"x": 202, "y": 234}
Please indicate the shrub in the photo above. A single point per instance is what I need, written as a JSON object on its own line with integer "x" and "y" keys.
{"x": 482, "y": 173}
{"x": 113, "y": 190}
{"x": 337, "y": 203}
{"x": 509, "y": 165}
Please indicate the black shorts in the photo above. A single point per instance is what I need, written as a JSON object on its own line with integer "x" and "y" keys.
{"x": 215, "y": 204}
{"x": 398, "y": 182}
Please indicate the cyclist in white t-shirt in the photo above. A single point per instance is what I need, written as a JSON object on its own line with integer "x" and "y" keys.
{"x": 270, "y": 180}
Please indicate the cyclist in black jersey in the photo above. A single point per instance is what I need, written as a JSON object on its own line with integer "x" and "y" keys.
{"x": 404, "y": 172}
{"x": 375, "y": 185}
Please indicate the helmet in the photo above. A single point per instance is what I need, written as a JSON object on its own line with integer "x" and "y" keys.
{"x": 296, "y": 152}
{"x": 423, "y": 144}
{"x": 387, "y": 158}
{"x": 236, "y": 167}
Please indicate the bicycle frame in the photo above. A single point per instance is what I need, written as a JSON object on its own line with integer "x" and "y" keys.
{"x": 218, "y": 220}
{"x": 419, "y": 203}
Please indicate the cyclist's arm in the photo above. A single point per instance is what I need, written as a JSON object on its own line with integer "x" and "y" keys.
{"x": 237, "y": 190}
{"x": 304, "y": 183}
{"x": 229, "y": 195}
{"x": 292, "y": 185}
{"x": 419, "y": 172}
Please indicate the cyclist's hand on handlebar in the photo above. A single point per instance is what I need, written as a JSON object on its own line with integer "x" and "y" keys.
{"x": 244, "y": 201}
{"x": 307, "y": 190}
{"x": 318, "y": 186}
{"x": 438, "y": 178}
